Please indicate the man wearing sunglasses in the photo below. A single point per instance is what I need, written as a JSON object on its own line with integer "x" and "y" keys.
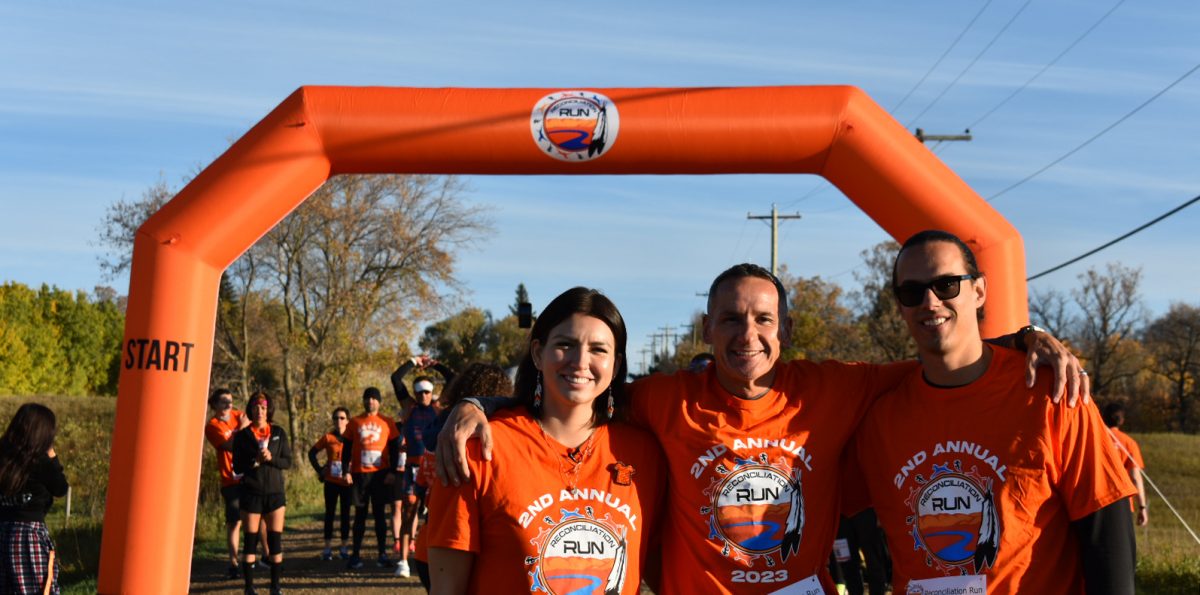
{"x": 418, "y": 415}
{"x": 754, "y": 444}
{"x": 980, "y": 482}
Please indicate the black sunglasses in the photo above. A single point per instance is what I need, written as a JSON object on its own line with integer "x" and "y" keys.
{"x": 912, "y": 293}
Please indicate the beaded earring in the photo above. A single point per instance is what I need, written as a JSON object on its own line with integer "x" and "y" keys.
{"x": 611, "y": 410}
{"x": 537, "y": 392}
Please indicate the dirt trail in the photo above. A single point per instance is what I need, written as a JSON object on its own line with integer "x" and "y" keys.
{"x": 305, "y": 573}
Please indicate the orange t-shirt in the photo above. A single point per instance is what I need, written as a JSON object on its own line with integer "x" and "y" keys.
{"x": 1129, "y": 454}
{"x": 218, "y": 432}
{"x": 986, "y": 479}
{"x": 370, "y": 433}
{"x": 753, "y": 505}
{"x": 333, "y": 458}
{"x": 528, "y": 531}
{"x": 1127, "y": 450}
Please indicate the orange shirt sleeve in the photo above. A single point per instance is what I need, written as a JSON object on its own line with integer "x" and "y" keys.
{"x": 455, "y": 518}
{"x": 1088, "y": 473}
{"x": 214, "y": 434}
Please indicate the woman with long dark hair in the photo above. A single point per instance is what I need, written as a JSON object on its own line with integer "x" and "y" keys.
{"x": 569, "y": 501}
{"x": 261, "y": 453}
{"x": 30, "y": 479}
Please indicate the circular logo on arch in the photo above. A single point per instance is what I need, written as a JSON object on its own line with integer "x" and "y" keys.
{"x": 582, "y": 556}
{"x": 753, "y": 506}
{"x": 575, "y": 125}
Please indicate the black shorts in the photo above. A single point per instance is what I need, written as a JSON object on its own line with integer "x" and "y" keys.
{"x": 230, "y": 495}
{"x": 262, "y": 503}
{"x": 408, "y": 486}
{"x": 370, "y": 486}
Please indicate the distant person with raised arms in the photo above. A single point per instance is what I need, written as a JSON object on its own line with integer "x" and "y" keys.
{"x": 981, "y": 483}
{"x": 418, "y": 415}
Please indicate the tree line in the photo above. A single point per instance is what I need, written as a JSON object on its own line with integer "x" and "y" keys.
{"x": 330, "y": 299}
{"x": 1150, "y": 364}
{"x": 55, "y": 342}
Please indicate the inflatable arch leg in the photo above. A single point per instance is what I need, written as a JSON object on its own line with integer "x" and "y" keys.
{"x": 180, "y": 252}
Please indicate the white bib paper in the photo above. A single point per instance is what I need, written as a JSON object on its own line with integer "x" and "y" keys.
{"x": 808, "y": 586}
{"x": 841, "y": 549}
{"x": 371, "y": 458}
{"x": 970, "y": 584}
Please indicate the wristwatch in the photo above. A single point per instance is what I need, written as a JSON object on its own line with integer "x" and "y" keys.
{"x": 1025, "y": 330}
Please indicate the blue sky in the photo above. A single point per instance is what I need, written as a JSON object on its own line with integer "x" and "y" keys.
{"x": 100, "y": 100}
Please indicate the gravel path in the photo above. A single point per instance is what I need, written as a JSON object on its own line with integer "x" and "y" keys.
{"x": 305, "y": 573}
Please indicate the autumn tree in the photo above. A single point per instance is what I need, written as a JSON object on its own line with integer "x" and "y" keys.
{"x": 888, "y": 337}
{"x": 335, "y": 290}
{"x": 353, "y": 268}
{"x": 823, "y": 326}
{"x": 1110, "y": 313}
{"x": 1174, "y": 341}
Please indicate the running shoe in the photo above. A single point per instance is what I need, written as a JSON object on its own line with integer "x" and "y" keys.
{"x": 343, "y": 552}
{"x": 384, "y": 561}
{"x": 326, "y": 554}
{"x": 354, "y": 563}
{"x": 402, "y": 569}
{"x": 233, "y": 572}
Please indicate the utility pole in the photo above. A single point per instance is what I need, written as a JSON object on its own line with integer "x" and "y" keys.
{"x": 921, "y": 136}
{"x": 645, "y": 366}
{"x": 774, "y": 217}
{"x": 667, "y": 335}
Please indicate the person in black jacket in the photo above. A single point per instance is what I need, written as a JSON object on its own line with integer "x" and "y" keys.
{"x": 260, "y": 454}
{"x": 30, "y": 479}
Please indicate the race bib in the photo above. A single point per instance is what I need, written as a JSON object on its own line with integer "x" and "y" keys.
{"x": 371, "y": 458}
{"x": 808, "y": 586}
{"x": 970, "y": 584}
{"x": 841, "y": 549}
{"x": 335, "y": 469}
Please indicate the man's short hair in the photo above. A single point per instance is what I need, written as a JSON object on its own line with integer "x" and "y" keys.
{"x": 1113, "y": 414}
{"x": 740, "y": 271}
{"x": 372, "y": 393}
{"x": 216, "y": 395}
{"x": 936, "y": 235}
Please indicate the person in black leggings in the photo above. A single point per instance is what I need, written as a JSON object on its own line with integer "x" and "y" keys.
{"x": 335, "y": 479}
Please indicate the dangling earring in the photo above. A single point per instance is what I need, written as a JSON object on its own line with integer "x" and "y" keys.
{"x": 610, "y": 402}
{"x": 537, "y": 392}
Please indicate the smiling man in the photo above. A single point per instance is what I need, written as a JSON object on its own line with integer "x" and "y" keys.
{"x": 982, "y": 484}
{"x": 754, "y": 445}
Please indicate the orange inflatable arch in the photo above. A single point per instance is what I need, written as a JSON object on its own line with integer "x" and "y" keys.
{"x": 317, "y": 132}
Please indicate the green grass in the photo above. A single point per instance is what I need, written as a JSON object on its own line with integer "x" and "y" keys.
{"x": 1168, "y": 556}
{"x": 1169, "y": 560}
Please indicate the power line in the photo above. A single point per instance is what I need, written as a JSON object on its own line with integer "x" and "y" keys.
{"x": 1097, "y": 135}
{"x": 1140, "y": 228}
{"x": 1048, "y": 65}
{"x": 972, "y": 63}
{"x": 942, "y": 57}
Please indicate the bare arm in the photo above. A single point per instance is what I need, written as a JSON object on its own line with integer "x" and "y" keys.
{"x": 1143, "y": 513}
{"x": 449, "y": 570}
